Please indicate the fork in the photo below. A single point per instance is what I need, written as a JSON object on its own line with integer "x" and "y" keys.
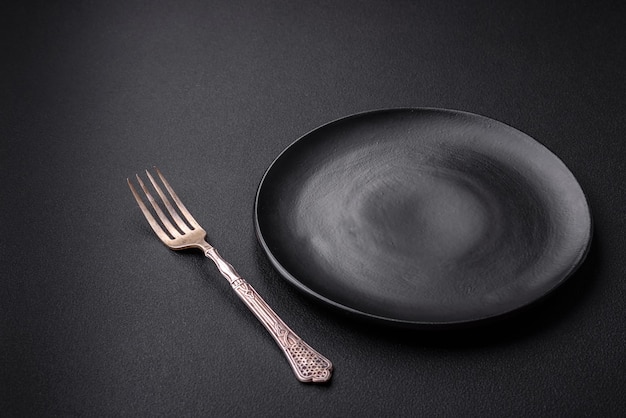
{"x": 307, "y": 364}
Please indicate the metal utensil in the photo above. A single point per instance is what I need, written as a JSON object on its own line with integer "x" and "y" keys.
{"x": 185, "y": 232}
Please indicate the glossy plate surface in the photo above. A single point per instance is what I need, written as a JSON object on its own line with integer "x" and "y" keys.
{"x": 423, "y": 217}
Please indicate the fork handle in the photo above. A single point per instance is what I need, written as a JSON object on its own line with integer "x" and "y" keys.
{"x": 307, "y": 364}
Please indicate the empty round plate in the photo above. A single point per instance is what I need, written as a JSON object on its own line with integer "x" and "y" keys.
{"x": 423, "y": 217}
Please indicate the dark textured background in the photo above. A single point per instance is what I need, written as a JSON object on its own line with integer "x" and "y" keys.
{"x": 98, "y": 318}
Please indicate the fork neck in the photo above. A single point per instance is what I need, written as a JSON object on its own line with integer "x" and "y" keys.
{"x": 223, "y": 266}
{"x": 206, "y": 248}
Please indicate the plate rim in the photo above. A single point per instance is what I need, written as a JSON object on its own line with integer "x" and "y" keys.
{"x": 283, "y": 272}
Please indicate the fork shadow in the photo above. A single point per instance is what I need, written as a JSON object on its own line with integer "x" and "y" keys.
{"x": 538, "y": 317}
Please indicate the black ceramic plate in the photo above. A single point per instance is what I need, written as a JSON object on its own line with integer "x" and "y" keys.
{"x": 424, "y": 217}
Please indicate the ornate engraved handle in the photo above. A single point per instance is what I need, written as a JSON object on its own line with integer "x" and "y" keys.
{"x": 307, "y": 364}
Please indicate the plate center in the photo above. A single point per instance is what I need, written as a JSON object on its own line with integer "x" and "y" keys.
{"x": 423, "y": 215}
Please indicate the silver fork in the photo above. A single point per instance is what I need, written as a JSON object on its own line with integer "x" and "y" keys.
{"x": 185, "y": 232}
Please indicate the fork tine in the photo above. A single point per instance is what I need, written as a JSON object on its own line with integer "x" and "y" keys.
{"x": 168, "y": 225}
{"x": 179, "y": 204}
{"x": 153, "y": 223}
{"x": 182, "y": 226}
